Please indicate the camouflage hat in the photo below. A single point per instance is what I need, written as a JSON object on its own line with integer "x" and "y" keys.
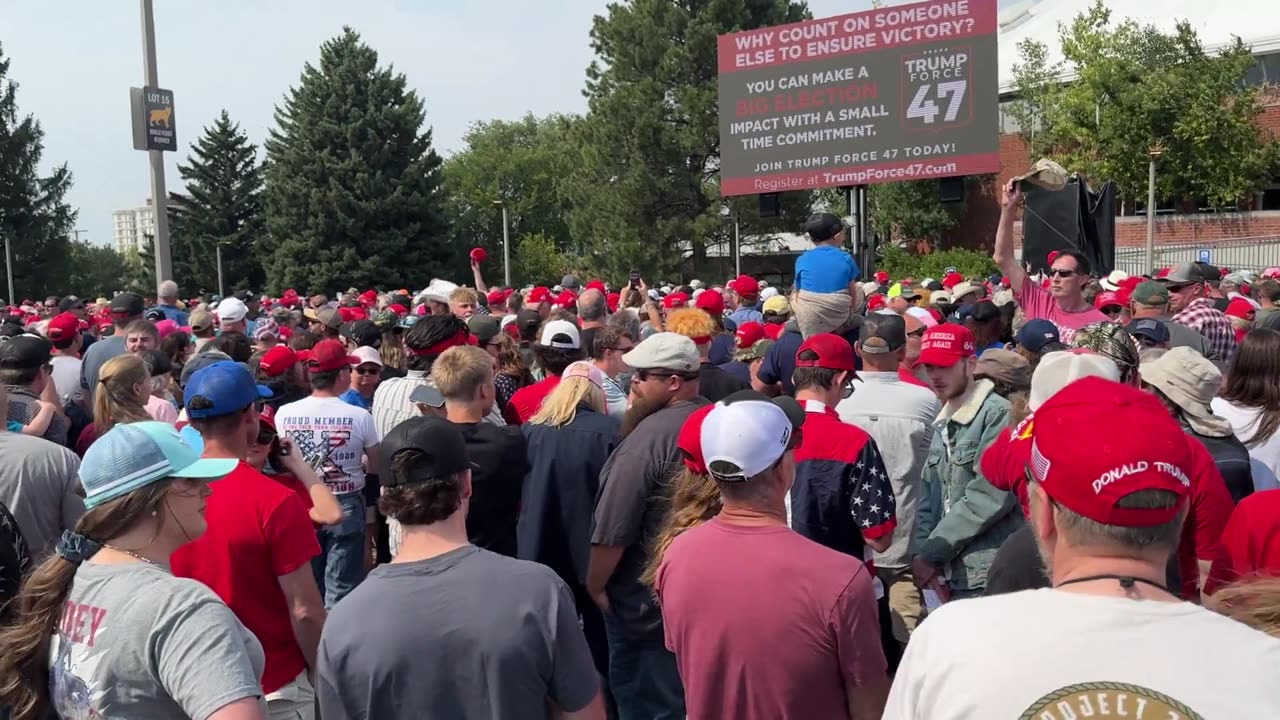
{"x": 1112, "y": 342}
{"x": 385, "y": 320}
{"x": 757, "y": 351}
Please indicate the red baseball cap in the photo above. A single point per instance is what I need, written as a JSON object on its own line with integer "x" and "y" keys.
{"x": 613, "y": 299}
{"x": 1087, "y": 457}
{"x": 748, "y": 334}
{"x": 1106, "y": 298}
{"x": 1240, "y": 308}
{"x": 711, "y": 301}
{"x": 773, "y": 331}
{"x": 882, "y": 277}
{"x": 952, "y": 279}
{"x": 875, "y": 302}
{"x": 398, "y": 309}
{"x": 63, "y": 326}
{"x": 946, "y": 345}
{"x": 478, "y": 255}
{"x": 566, "y": 299}
{"x": 675, "y": 300}
{"x": 690, "y": 440}
{"x": 539, "y": 295}
{"x": 368, "y": 298}
{"x": 279, "y": 359}
{"x": 596, "y": 285}
{"x": 329, "y": 355}
{"x": 496, "y": 297}
{"x": 834, "y": 352}
{"x": 1004, "y": 462}
{"x": 745, "y": 285}
{"x": 1053, "y": 255}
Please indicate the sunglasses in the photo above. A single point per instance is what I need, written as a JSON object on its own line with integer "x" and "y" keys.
{"x": 266, "y": 437}
{"x": 1062, "y": 273}
{"x": 643, "y": 375}
{"x": 918, "y": 332}
{"x": 1179, "y": 288}
{"x": 1112, "y": 310}
{"x": 367, "y": 371}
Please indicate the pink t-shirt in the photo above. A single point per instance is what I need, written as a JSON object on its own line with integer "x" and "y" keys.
{"x": 161, "y": 410}
{"x": 1036, "y": 302}
{"x": 767, "y": 624}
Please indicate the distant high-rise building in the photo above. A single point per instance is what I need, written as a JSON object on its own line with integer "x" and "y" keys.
{"x": 133, "y": 227}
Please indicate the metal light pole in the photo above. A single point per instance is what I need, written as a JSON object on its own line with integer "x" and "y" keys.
{"x": 1154, "y": 154}
{"x": 159, "y": 199}
{"x": 506, "y": 245}
{"x": 737, "y": 249}
{"x": 8, "y": 267}
{"x": 221, "y": 292}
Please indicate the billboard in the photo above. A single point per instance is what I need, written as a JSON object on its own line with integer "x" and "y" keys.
{"x": 899, "y": 93}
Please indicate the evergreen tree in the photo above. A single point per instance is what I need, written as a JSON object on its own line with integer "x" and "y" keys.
{"x": 353, "y": 186}
{"x": 223, "y": 205}
{"x": 647, "y": 186}
{"x": 33, "y": 214}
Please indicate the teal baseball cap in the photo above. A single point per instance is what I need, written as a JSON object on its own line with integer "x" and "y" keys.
{"x": 133, "y": 455}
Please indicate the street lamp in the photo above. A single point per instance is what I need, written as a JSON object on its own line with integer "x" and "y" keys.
{"x": 8, "y": 268}
{"x": 221, "y": 292}
{"x": 506, "y": 245}
{"x": 1153, "y": 153}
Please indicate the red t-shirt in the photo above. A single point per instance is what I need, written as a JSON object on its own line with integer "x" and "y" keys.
{"x": 767, "y": 624}
{"x": 258, "y": 532}
{"x": 1251, "y": 543}
{"x": 527, "y": 401}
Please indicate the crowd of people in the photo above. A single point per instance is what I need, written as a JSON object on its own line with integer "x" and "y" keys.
{"x": 1049, "y": 496}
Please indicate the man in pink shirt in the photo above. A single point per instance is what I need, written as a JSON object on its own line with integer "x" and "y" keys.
{"x": 765, "y": 623}
{"x": 1063, "y": 303}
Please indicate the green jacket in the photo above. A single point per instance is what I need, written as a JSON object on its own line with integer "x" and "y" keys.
{"x": 963, "y": 519}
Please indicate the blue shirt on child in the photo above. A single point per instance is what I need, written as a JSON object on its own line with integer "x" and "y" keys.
{"x": 825, "y": 269}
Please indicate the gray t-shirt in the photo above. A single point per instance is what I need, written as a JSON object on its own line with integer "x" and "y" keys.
{"x": 633, "y": 499}
{"x": 94, "y": 358}
{"x": 136, "y": 643}
{"x": 467, "y": 635}
{"x": 38, "y": 484}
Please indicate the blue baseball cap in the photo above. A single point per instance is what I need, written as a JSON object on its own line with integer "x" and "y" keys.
{"x": 133, "y": 455}
{"x": 220, "y": 389}
{"x": 1037, "y": 333}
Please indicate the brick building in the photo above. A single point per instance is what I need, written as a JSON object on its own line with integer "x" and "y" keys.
{"x": 1246, "y": 238}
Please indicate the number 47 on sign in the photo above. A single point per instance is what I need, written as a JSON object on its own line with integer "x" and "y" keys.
{"x": 923, "y": 106}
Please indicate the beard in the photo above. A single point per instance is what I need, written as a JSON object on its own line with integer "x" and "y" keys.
{"x": 640, "y": 409}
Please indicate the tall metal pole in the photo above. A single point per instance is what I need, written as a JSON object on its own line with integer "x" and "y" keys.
{"x": 1151, "y": 214}
{"x": 221, "y": 292}
{"x": 737, "y": 249}
{"x": 159, "y": 199}
{"x": 8, "y": 268}
{"x": 506, "y": 249}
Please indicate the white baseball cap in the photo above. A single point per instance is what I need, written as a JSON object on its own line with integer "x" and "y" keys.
{"x": 367, "y": 355}
{"x": 231, "y": 310}
{"x": 743, "y": 436}
{"x": 1061, "y": 368}
{"x": 560, "y": 334}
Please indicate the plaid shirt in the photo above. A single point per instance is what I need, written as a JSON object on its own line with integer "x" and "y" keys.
{"x": 1200, "y": 315}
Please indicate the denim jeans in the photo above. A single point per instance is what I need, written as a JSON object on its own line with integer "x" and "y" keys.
{"x": 643, "y": 677}
{"x": 340, "y": 565}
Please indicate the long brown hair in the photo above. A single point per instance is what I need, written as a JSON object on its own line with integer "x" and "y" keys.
{"x": 1253, "y": 601}
{"x": 24, "y": 645}
{"x": 116, "y": 400}
{"x": 510, "y": 362}
{"x": 1253, "y": 380}
{"x": 695, "y": 499}
{"x": 392, "y": 349}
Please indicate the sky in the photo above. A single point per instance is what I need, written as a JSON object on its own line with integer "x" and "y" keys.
{"x": 75, "y": 60}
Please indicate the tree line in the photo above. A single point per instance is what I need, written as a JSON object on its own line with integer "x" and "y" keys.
{"x": 351, "y": 192}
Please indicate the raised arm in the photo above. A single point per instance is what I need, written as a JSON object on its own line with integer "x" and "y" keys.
{"x": 1010, "y": 199}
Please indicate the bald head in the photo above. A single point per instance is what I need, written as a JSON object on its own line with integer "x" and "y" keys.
{"x": 592, "y": 306}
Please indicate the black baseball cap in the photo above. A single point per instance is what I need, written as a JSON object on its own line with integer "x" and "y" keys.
{"x": 155, "y": 314}
{"x": 823, "y": 226}
{"x": 247, "y": 296}
{"x": 126, "y": 303}
{"x": 1149, "y": 328}
{"x": 22, "y": 352}
{"x": 527, "y": 321}
{"x": 444, "y": 452}
{"x": 363, "y": 333}
{"x": 70, "y": 302}
{"x": 882, "y": 333}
